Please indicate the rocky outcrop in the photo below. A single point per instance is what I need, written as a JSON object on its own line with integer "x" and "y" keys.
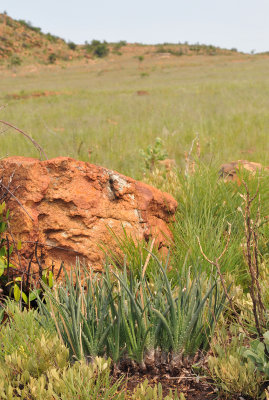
{"x": 230, "y": 170}
{"x": 68, "y": 207}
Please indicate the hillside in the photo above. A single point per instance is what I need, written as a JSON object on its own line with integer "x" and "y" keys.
{"x": 23, "y": 43}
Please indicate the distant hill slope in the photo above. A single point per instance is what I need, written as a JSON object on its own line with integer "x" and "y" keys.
{"x": 21, "y": 42}
{"x": 21, "y": 39}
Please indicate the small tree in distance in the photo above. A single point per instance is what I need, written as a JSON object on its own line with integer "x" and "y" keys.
{"x": 97, "y": 48}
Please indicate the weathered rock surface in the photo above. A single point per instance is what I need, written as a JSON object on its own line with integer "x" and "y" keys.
{"x": 230, "y": 170}
{"x": 68, "y": 206}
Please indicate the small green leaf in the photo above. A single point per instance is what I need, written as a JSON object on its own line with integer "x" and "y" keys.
{"x": 17, "y": 292}
{"x": 3, "y": 263}
{"x": 50, "y": 279}
{"x": 32, "y": 296}
{"x": 25, "y": 298}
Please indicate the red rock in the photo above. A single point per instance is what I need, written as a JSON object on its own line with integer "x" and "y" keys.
{"x": 142, "y": 93}
{"x": 69, "y": 205}
{"x": 230, "y": 170}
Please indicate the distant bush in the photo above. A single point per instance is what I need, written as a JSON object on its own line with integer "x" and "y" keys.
{"x": 52, "y": 58}
{"x": 178, "y": 52}
{"x": 97, "y": 48}
{"x": 174, "y": 52}
{"x": 160, "y": 49}
{"x": 9, "y": 22}
{"x": 52, "y": 38}
{"x": 28, "y": 24}
{"x": 26, "y": 45}
{"x": 72, "y": 45}
{"x": 119, "y": 45}
{"x": 101, "y": 50}
{"x": 15, "y": 60}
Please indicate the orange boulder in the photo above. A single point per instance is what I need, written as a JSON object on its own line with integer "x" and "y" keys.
{"x": 230, "y": 170}
{"x": 68, "y": 206}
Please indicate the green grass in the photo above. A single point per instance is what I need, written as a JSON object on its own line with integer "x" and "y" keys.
{"x": 226, "y": 102}
{"x": 206, "y": 205}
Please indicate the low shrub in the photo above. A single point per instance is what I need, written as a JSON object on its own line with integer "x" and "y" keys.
{"x": 52, "y": 58}
{"x": 117, "y": 46}
{"x": 15, "y": 60}
{"x": 28, "y": 25}
{"x": 21, "y": 330}
{"x": 97, "y": 48}
{"x": 34, "y": 363}
{"x": 52, "y": 38}
{"x": 72, "y": 45}
{"x": 258, "y": 353}
{"x": 231, "y": 370}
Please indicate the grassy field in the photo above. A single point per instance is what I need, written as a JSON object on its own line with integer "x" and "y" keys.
{"x": 174, "y": 316}
{"x": 96, "y": 108}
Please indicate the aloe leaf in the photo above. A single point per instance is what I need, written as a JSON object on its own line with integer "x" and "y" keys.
{"x": 165, "y": 323}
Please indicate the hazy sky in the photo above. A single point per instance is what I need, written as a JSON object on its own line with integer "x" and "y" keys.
{"x": 243, "y": 24}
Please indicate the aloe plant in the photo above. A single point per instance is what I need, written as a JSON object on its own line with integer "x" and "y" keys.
{"x": 133, "y": 303}
{"x": 119, "y": 314}
{"x": 81, "y": 315}
{"x": 190, "y": 312}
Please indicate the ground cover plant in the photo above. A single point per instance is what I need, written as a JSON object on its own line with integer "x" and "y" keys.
{"x": 135, "y": 317}
{"x": 35, "y": 364}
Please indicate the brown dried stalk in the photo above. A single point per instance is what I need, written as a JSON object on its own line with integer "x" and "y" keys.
{"x": 216, "y": 263}
{"x": 37, "y": 146}
{"x": 251, "y": 254}
{"x": 191, "y": 164}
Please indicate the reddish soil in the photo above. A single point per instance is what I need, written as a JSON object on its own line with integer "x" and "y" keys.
{"x": 19, "y": 96}
{"x": 192, "y": 387}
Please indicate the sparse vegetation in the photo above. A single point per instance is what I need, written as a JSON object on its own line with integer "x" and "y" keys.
{"x": 52, "y": 38}
{"x": 15, "y": 61}
{"x": 52, "y": 58}
{"x": 72, "y": 45}
{"x": 97, "y": 48}
{"x": 117, "y": 46}
{"x": 28, "y": 24}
